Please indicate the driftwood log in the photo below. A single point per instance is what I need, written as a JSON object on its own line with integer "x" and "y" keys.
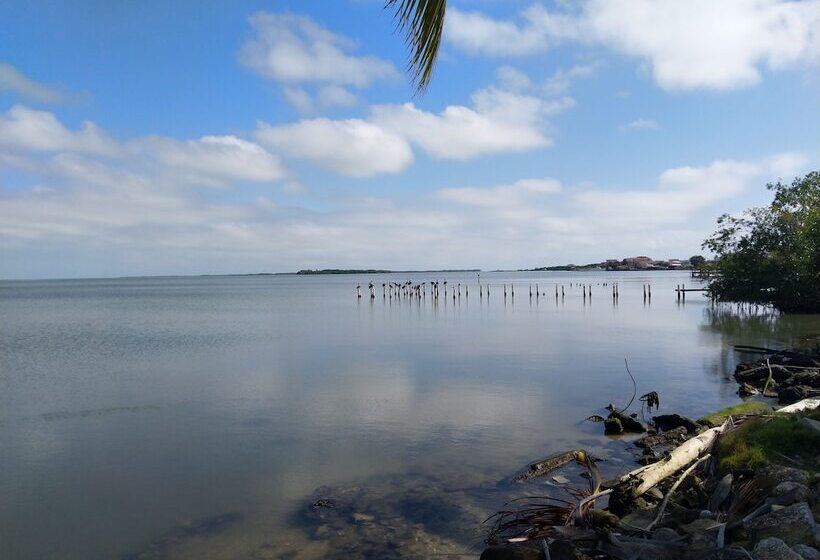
{"x": 639, "y": 481}
{"x": 800, "y": 406}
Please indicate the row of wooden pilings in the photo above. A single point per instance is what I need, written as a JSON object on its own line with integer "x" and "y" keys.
{"x": 419, "y": 291}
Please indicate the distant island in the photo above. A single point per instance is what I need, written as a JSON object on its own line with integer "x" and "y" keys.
{"x": 377, "y": 271}
{"x": 642, "y": 263}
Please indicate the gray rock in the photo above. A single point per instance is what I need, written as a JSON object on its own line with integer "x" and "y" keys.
{"x": 800, "y": 492}
{"x": 791, "y": 395}
{"x": 666, "y": 422}
{"x": 511, "y": 552}
{"x": 665, "y": 534}
{"x": 793, "y": 524}
{"x": 813, "y": 425}
{"x": 613, "y": 426}
{"x": 674, "y": 436}
{"x": 807, "y": 552}
{"x": 770, "y": 476}
{"x": 774, "y": 549}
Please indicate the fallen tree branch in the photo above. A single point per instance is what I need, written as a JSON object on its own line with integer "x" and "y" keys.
{"x": 678, "y": 482}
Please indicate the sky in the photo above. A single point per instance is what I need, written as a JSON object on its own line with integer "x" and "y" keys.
{"x": 206, "y": 137}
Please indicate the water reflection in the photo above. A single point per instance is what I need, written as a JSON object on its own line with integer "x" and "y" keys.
{"x": 185, "y": 417}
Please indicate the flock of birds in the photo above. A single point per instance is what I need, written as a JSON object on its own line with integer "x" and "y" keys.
{"x": 410, "y": 289}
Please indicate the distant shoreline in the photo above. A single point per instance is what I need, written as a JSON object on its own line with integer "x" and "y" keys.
{"x": 377, "y": 271}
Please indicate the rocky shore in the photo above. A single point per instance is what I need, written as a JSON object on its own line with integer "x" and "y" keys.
{"x": 741, "y": 483}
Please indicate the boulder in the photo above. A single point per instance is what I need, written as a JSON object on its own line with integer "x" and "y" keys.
{"x": 796, "y": 393}
{"x": 774, "y": 549}
{"x": 793, "y": 525}
{"x": 512, "y": 552}
{"x": 666, "y": 422}
{"x": 770, "y": 476}
{"x": 665, "y": 534}
{"x": 807, "y": 552}
{"x": 613, "y": 426}
{"x": 672, "y": 437}
{"x": 810, "y": 378}
{"x": 800, "y": 492}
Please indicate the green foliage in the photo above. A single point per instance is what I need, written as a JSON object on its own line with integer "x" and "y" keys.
{"x": 759, "y": 441}
{"x": 738, "y": 455}
{"x": 771, "y": 255}
{"x": 745, "y": 409}
{"x": 422, "y": 22}
{"x": 697, "y": 261}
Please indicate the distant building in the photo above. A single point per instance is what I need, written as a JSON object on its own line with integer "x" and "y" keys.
{"x": 675, "y": 263}
{"x": 641, "y": 262}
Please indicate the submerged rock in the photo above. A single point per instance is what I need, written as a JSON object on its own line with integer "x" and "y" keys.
{"x": 613, "y": 426}
{"x": 619, "y": 423}
{"x": 666, "y": 422}
{"x": 672, "y": 437}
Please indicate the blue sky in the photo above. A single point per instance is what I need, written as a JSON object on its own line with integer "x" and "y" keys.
{"x": 217, "y": 137}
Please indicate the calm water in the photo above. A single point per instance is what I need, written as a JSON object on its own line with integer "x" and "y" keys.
{"x": 195, "y": 417}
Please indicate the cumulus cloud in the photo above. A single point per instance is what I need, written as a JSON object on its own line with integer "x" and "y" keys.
{"x": 210, "y": 160}
{"x": 11, "y": 79}
{"x": 83, "y": 199}
{"x": 497, "y": 121}
{"x": 680, "y": 192}
{"x": 352, "y": 147}
{"x": 292, "y": 48}
{"x": 699, "y": 44}
{"x": 213, "y": 159}
{"x": 23, "y": 128}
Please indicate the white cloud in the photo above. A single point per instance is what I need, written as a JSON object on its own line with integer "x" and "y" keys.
{"x": 85, "y": 204}
{"x": 561, "y": 80}
{"x": 352, "y": 147}
{"x": 213, "y": 159}
{"x": 326, "y": 97}
{"x": 513, "y": 79}
{"x": 518, "y": 193}
{"x": 11, "y": 79}
{"x": 300, "y": 99}
{"x": 680, "y": 192}
{"x": 291, "y": 48}
{"x": 787, "y": 165}
{"x": 700, "y": 44}
{"x": 640, "y": 124}
{"x": 500, "y": 121}
{"x": 209, "y": 160}
{"x": 336, "y": 96}
{"x": 474, "y": 32}
{"x": 22, "y": 128}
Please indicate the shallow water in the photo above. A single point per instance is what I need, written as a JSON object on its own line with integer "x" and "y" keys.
{"x": 195, "y": 417}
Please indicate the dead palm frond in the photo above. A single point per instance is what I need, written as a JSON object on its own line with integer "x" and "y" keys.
{"x": 422, "y": 23}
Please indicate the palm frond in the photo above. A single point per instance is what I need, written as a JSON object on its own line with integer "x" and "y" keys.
{"x": 422, "y": 23}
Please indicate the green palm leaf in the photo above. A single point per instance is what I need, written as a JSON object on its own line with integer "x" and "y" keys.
{"x": 422, "y": 23}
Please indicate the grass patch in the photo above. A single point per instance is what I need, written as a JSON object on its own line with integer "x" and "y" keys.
{"x": 759, "y": 441}
{"x": 746, "y": 408}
